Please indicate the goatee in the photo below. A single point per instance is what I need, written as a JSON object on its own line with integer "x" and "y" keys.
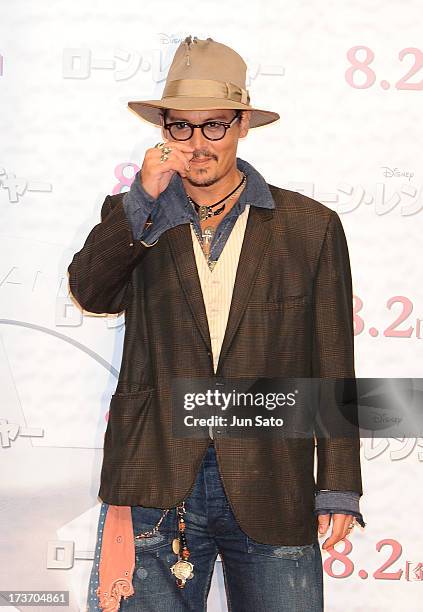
{"x": 202, "y": 183}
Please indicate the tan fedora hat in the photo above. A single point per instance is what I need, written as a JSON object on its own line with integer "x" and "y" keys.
{"x": 204, "y": 75}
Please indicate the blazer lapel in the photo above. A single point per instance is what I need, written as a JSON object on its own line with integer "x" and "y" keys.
{"x": 256, "y": 238}
{"x": 180, "y": 243}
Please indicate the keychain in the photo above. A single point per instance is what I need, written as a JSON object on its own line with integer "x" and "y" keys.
{"x": 182, "y": 569}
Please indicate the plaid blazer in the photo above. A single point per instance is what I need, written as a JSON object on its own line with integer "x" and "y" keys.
{"x": 290, "y": 316}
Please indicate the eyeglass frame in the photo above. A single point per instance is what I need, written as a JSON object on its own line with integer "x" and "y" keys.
{"x": 225, "y": 124}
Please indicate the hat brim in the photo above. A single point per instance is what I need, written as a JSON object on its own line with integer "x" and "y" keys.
{"x": 150, "y": 110}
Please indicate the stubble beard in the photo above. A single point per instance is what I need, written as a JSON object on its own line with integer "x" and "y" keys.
{"x": 205, "y": 182}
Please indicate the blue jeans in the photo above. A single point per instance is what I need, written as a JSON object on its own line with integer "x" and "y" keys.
{"x": 258, "y": 577}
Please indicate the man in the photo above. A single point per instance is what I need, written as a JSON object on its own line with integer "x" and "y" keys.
{"x": 220, "y": 275}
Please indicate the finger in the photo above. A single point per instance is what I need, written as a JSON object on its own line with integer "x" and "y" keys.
{"x": 157, "y": 161}
{"x": 349, "y": 520}
{"x": 179, "y": 145}
{"x": 154, "y": 153}
{"x": 332, "y": 540}
{"x": 324, "y": 520}
{"x": 339, "y": 530}
{"x": 341, "y": 522}
{"x": 173, "y": 162}
{"x": 185, "y": 157}
{"x": 345, "y": 520}
{"x": 174, "y": 156}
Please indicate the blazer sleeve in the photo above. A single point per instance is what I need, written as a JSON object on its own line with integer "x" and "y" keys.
{"x": 100, "y": 273}
{"x": 338, "y": 457}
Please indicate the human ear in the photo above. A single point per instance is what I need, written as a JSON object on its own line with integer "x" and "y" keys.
{"x": 244, "y": 123}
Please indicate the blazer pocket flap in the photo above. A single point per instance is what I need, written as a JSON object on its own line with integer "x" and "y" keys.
{"x": 126, "y": 406}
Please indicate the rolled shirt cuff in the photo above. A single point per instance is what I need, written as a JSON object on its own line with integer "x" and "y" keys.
{"x": 137, "y": 204}
{"x": 342, "y": 502}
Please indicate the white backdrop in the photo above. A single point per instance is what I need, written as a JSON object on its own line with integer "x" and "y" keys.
{"x": 347, "y": 80}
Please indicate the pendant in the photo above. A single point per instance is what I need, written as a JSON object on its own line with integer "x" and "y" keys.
{"x": 208, "y": 234}
{"x": 182, "y": 570}
{"x": 203, "y": 213}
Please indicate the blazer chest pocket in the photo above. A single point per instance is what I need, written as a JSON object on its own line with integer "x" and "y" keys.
{"x": 289, "y": 301}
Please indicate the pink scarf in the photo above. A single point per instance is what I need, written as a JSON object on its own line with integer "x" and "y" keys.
{"x": 117, "y": 558}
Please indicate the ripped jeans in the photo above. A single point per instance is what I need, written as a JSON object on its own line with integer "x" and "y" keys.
{"x": 256, "y": 576}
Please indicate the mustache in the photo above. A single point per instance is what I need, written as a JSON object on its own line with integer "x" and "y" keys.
{"x": 203, "y": 153}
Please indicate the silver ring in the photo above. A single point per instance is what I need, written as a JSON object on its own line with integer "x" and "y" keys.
{"x": 165, "y": 153}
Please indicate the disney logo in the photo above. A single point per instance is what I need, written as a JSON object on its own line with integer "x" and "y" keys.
{"x": 390, "y": 172}
{"x": 167, "y": 39}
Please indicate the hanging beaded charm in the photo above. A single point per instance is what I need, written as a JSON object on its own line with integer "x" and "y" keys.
{"x": 182, "y": 569}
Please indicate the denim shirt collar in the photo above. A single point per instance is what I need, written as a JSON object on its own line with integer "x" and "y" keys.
{"x": 256, "y": 193}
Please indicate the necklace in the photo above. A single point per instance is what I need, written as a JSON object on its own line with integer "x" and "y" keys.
{"x": 205, "y": 212}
